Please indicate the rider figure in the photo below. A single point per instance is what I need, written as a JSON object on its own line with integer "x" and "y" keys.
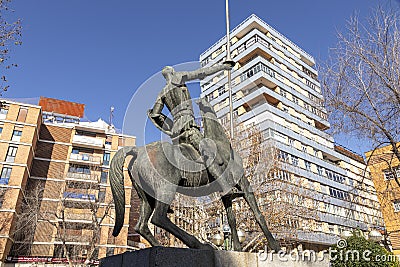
{"x": 175, "y": 96}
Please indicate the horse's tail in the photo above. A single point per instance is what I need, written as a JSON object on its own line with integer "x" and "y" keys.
{"x": 117, "y": 185}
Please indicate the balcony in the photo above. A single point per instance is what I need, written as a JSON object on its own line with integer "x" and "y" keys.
{"x": 79, "y": 196}
{"x": 82, "y": 176}
{"x": 85, "y": 158}
{"x": 69, "y": 238}
{"x": 70, "y": 215}
{"x": 87, "y": 141}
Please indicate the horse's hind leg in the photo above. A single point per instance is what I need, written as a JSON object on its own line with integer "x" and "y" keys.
{"x": 160, "y": 219}
{"x": 146, "y": 210}
{"x": 227, "y": 200}
{"x": 251, "y": 201}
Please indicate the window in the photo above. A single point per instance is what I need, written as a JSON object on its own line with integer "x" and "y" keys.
{"x": 285, "y": 109}
{"x": 222, "y": 90}
{"x": 103, "y": 177}
{"x": 12, "y": 151}
{"x": 102, "y": 196}
{"x": 335, "y": 176}
{"x": 3, "y": 113}
{"x": 109, "y": 251}
{"x": 109, "y": 140}
{"x": 106, "y": 159}
{"x": 308, "y": 165}
{"x": 295, "y": 160}
{"x": 1, "y": 129}
{"x": 304, "y": 148}
{"x": 339, "y": 194}
{"x": 283, "y": 156}
{"x": 79, "y": 169}
{"x": 5, "y": 175}
{"x": 283, "y": 93}
{"x": 295, "y": 100}
{"x": 291, "y": 141}
{"x": 396, "y": 205}
{"x": 389, "y": 173}
{"x": 320, "y": 170}
{"x": 22, "y": 114}
{"x": 75, "y": 151}
{"x": 329, "y": 174}
{"x": 282, "y": 175}
{"x": 16, "y": 136}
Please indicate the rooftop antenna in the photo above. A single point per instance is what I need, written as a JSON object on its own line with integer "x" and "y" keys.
{"x": 111, "y": 115}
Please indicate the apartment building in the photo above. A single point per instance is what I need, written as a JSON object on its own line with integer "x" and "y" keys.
{"x": 385, "y": 167}
{"x": 275, "y": 87}
{"x": 54, "y": 187}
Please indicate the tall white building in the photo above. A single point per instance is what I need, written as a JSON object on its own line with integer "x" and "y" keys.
{"x": 275, "y": 86}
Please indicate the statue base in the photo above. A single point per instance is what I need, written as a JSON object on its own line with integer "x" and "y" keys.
{"x": 183, "y": 257}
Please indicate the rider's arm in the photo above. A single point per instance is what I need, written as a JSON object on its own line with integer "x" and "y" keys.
{"x": 204, "y": 72}
{"x": 161, "y": 121}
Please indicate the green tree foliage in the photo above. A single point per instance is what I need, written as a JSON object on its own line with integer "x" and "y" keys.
{"x": 356, "y": 251}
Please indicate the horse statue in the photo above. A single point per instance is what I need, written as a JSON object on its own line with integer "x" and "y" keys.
{"x": 156, "y": 175}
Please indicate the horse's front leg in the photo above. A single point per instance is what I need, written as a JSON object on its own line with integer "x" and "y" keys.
{"x": 227, "y": 200}
{"x": 251, "y": 201}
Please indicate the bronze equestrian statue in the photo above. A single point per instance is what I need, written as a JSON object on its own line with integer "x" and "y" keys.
{"x": 195, "y": 164}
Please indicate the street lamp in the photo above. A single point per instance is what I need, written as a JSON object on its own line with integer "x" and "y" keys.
{"x": 227, "y": 236}
{"x": 375, "y": 236}
{"x": 217, "y": 240}
{"x": 346, "y": 234}
{"x": 241, "y": 235}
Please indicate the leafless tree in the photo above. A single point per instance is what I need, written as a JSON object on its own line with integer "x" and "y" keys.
{"x": 285, "y": 199}
{"x": 95, "y": 207}
{"x": 10, "y": 35}
{"x": 5, "y": 217}
{"x": 361, "y": 80}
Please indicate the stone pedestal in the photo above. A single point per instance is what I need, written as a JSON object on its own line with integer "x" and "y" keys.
{"x": 183, "y": 257}
{"x": 161, "y": 256}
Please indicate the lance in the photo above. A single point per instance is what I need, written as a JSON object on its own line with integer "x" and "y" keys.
{"x": 228, "y": 58}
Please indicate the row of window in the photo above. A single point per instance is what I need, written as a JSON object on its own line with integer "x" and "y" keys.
{"x": 258, "y": 39}
{"x": 390, "y": 174}
{"x": 262, "y": 67}
{"x": 52, "y": 118}
{"x": 327, "y": 207}
{"x": 321, "y": 171}
{"x": 22, "y": 113}
{"x": 16, "y": 135}
{"x": 294, "y": 160}
{"x": 286, "y": 157}
{"x": 82, "y": 172}
{"x": 272, "y": 73}
{"x": 336, "y": 193}
{"x": 79, "y": 196}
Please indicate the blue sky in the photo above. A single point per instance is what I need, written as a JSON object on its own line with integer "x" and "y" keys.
{"x": 99, "y": 52}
